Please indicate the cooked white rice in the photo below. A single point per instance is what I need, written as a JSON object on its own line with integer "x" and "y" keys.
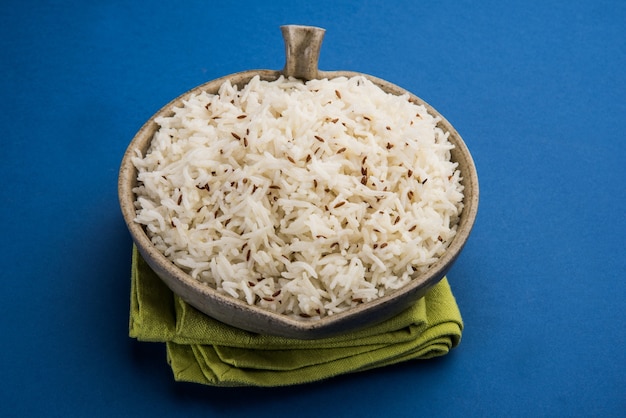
{"x": 302, "y": 198}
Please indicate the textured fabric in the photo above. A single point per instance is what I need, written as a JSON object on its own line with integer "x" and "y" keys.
{"x": 203, "y": 350}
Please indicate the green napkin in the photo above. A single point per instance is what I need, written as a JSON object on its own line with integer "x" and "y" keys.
{"x": 206, "y": 351}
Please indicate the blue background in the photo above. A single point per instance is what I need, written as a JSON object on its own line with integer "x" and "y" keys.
{"x": 537, "y": 89}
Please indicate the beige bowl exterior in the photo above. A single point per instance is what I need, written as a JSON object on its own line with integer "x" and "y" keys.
{"x": 252, "y": 318}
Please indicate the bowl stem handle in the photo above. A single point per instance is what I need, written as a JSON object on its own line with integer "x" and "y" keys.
{"x": 302, "y": 50}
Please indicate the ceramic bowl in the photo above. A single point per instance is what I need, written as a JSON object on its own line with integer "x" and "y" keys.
{"x": 302, "y": 45}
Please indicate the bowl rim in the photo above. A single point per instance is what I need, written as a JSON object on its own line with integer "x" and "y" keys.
{"x": 223, "y": 307}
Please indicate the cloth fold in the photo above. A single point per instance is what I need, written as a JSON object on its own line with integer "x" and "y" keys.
{"x": 203, "y": 350}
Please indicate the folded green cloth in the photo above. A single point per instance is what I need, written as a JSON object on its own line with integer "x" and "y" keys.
{"x": 206, "y": 351}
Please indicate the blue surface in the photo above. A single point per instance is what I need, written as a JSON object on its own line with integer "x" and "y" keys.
{"x": 536, "y": 89}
